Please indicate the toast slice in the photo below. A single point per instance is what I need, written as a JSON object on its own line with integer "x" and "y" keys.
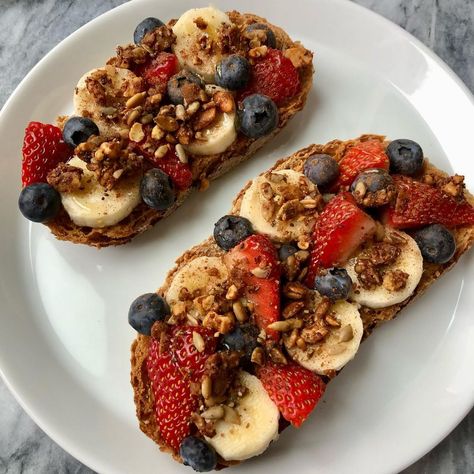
{"x": 138, "y": 154}
{"x": 297, "y": 299}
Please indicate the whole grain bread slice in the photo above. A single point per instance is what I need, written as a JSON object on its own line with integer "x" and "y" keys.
{"x": 143, "y": 395}
{"x": 204, "y": 168}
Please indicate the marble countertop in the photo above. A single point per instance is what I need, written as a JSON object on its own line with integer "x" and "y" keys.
{"x": 446, "y": 26}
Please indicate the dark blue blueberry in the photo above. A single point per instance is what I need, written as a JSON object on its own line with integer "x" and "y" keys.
{"x": 198, "y": 454}
{"x": 78, "y": 129}
{"x": 145, "y": 311}
{"x": 39, "y": 202}
{"x": 285, "y": 251}
{"x": 321, "y": 169}
{"x": 157, "y": 190}
{"x": 406, "y": 157}
{"x": 374, "y": 180}
{"x": 335, "y": 283}
{"x": 270, "y": 40}
{"x": 230, "y": 230}
{"x": 436, "y": 243}
{"x": 243, "y": 338}
{"x": 176, "y": 83}
{"x": 233, "y": 72}
{"x": 144, "y": 27}
{"x": 258, "y": 116}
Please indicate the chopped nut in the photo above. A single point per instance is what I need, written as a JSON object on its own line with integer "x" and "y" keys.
{"x": 167, "y": 123}
{"x": 198, "y": 341}
{"x": 214, "y": 413}
{"x": 346, "y": 333}
{"x": 261, "y": 272}
{"x": 224, "y": 101}
{"x": 170, "y": 138}
{"x": 258, "y": 52}
{"x": 289, "y": 211}
{"x": 155, "y": 99}
{"x": 180, "y": 112}
{"x": 266, "y": 190}
{"x": 161, "y": 151}
{"x": 136, "y": 132}
{"x": 292, "y": 309}
{"x": 204, "y": 119}
{"x": 133, "y": 116}
{"x": 231, "y": 416}
{"x": 280, "y": 326}
{"x": 299, "y": 56}
{"x": 303, "y": 243}
{"x": 157, "y": 133}
{"x": 232, "y": 293}
{"x": 240, "y": 311}
{"x": 117, "y": 173}
{"x": 206, "y": 386}
{"x": 258, "y": 356}
{"x": 294, "y": 290}
{"x": 314, "y": 334}
{"x": 193, "y": 108}
{"x": 146, "y": 119}
{"x": 277, "y": 356}
{"x": 181, "y": 153}
{"x": 395, "y": 280}
{"x": 300, "y": 342}
{"x": 222, "y": 323}
{"x": 192, "y": 320}
{"x": 332, "y": 321}
{"x": 110, "y": 111}
{"x": 309, "y": 203}
{"x": 135, "y": 100}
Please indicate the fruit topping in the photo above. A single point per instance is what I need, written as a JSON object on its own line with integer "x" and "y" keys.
{"x": 294, "y": 389}
{"x": 181, "y": 84}
{"x": 258, "y": 116}
{"x": 361, "y": 157}
{"x": 179, "y": 172}
{"x": 436, "y": 243}
{"x": 157, "y": 190}
{"x": 340, "y": 229}
{"x": 263, "y": 33}
{"x": 39, "y": 202}
{"x": 158, "y": 72}
{"x": 406, "y": 157}
{"x": 420, "y": 204}
{"x": 285, "y": 251}
{"x": 335, "y": 283}
{"x": 145, "y": 311}
{"x": 77, "y": 130}
{"x": 233, "y": 72}
{"x": 373, "y": 188}
{"x": 255, "y": 259}
{"x": 230, "y": 230}
{"x": 198, "y": 454}
{"x": 43, "y": 148}
{"x": 243, "y": 339}
{"x": 274, "y": 76}
{"x": 321, "y": 169}
{"x": 144, "y": 27}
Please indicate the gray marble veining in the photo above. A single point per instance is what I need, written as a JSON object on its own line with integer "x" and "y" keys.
{"x": 446, "y": 26}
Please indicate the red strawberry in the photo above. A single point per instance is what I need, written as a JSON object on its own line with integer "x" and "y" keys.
{"x": 294, "y": 390}
{"x": 179, "y": 172}
{"x": 158, "y": 72}
{"x": 257, "y": 262}
{"x": 43, "y": 148}
{"x": 171, "y": 374}
{"x": 339, "y": 230}
{"x": 420, "y": 204}
{"x": 274, "y": 76}
{"x": 364, "y": 156}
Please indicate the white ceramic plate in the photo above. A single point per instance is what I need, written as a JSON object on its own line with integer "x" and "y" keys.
{"x": 64, "y": 336}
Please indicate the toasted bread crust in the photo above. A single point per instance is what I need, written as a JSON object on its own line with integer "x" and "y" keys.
{"x": 143, "y": 395}
{"x": 203, "y": 168}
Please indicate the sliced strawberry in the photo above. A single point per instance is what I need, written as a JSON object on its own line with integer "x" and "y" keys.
{"x": 257, "y": 263}
{"x": 179, "y": 172}
{"x": 158, "y": 72}
{"x": 274, "y": 76}
{"x": 366, "y": 155}
{"x": 171, "y": 374}
{"x": 294, "y": 390}
{"x": 420, "y": 204}
{"x": 339, "y": 230}
{"x": 43, "y": 148}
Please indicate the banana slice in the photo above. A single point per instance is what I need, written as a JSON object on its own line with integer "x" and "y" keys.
{"x": 202, "y": 273}
{"x": 197, "y": 44}
{"x": 260, "y": 205}
{"x": 339, "y": 347}
{"x": 87, "y": 104}
{"x": 410, "y": 262}
{"x": 258, "y": 424}
{"x": 96, "y": 207}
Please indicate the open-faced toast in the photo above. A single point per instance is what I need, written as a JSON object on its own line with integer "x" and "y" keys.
{"x": 295, "y": 277}
{"x": 155, "y": 105}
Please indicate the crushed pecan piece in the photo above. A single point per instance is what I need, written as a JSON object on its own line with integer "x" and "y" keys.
{"x": 65, "y": 178}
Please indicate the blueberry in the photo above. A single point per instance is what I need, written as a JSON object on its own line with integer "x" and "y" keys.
{"x": 270, "y": 39}
{"x": 258, "y": 116}
{"x": 285, "y": 251}
{"x": 39, "y": 202}
{"x": 436, "y": 243}
{"x": 230, "y": 230}
{"x": 144, "y": 27}
{"x": 335, "y": 283}
{"x": 373, "y": 180}
{"x": 176, "y": 83}
{"x": 242, "y": 338}
{"x": 406, "y": 157}
{"x": 233, "y": 72}
{"x": 321, "y": 169}
{"x": 197, "y": 454}
{"x": 77, "y": 130}
{"x": 146, "y": 310}
{"x": 157, "y": 190}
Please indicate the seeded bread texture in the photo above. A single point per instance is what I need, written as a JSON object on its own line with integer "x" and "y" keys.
{"x": 143, "y": 394}
{"x": 203, "y": 167}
